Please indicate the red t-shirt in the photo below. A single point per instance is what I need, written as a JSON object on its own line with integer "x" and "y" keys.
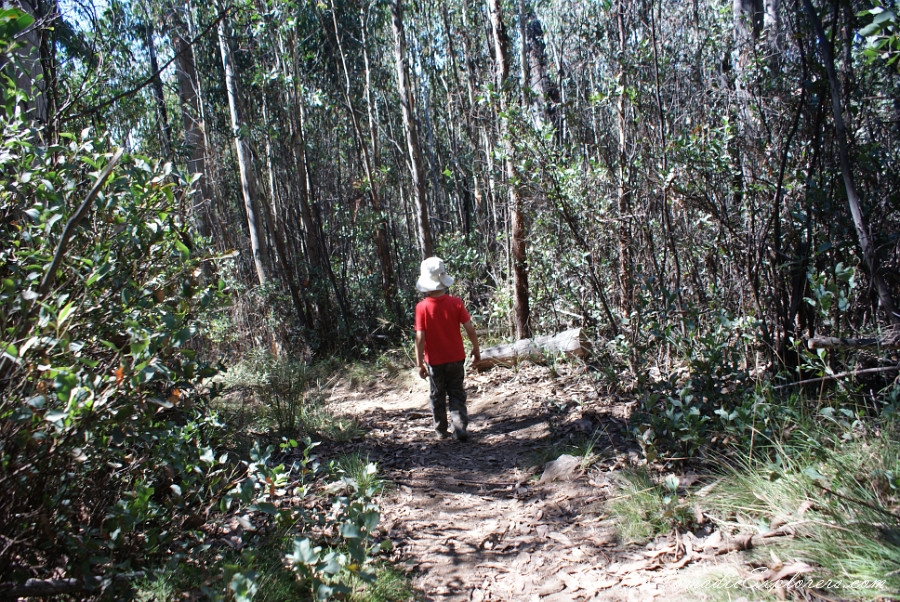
{"x": 440, "y": 318}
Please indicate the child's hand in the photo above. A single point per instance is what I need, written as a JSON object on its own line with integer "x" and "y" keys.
{"x": 423, "y": 372}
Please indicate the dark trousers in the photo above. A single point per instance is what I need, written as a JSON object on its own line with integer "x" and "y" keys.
{"x": 447, "y": 381}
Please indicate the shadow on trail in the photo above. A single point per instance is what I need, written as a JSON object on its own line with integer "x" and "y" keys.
{"x": 460, "y": 512}
{"x": 502, "y": 452}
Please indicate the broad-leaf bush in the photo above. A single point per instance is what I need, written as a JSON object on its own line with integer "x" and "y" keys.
{"x": 107, "y": 455}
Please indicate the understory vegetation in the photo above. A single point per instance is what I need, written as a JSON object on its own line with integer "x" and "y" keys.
{"x": 212, "y": 212}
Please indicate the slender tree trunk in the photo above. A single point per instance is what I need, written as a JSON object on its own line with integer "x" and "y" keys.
{"x": 162, "y": 115}
{"x": 276, "y": 226}
{"x": 521, "y": 310}
{"x": 320, "y": 270}
{"x": 412, "y": 134}
{"x": 623, "y": 189}
{"x": 663, "y": 125}
{"x": 859, "y": 220}
{"x": 194, "y": 137}
{"x": 546, "y": 92}
{"x": 244, "y": 158}
{"x": 388, "y": 280}
{"x": 30, "y": 76}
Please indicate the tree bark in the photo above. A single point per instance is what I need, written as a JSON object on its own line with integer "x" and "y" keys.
{"x": 30, "y": 77}
{"x": 244, "y": 158}
{"x": 162, "y": 115}
{"x": 388, "y": 283}
{"x": 194, "y": 137}
{"x": 412, "y": 135}
{"x": 859, "y": 220}
{"x": 276, "y": 226}
{"x": 521, "y": 310}
{"x": 623, "y": 189}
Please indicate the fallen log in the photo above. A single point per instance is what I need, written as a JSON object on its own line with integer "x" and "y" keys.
{"x": 569, "y": 342}
{"x": 889, "y": 341}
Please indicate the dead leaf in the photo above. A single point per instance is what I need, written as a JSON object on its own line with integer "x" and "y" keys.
{"x": 559, "y": 537}
{"x": 789, "y": 570}
{"x": 660, "y": 552}
{"x": 493, "y": 565}
{"x": 572, "y": 584}
{"x": 633, "y": 580}
{"x": 804, "y": 507}
{"x": 605, "y": 584}
{"x": 552, "y": 586}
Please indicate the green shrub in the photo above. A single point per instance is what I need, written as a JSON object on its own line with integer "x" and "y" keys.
{"x": 104, "y": 431}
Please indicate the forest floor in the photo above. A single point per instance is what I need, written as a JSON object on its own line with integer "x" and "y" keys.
{"x": 482, "y": 520}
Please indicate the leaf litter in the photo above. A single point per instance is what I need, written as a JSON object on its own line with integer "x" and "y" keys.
{"x": 495, "y": 519}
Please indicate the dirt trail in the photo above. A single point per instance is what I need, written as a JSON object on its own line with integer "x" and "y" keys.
{"x": 473, "y": 521}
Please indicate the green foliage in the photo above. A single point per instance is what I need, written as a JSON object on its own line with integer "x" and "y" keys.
{"x": 283, "y": 387}
{"x": 327, "y": 567}
{"x": 105, "y": 432}
{"x": 362, "y": 472}
{"x": 709, "y": 395}
{"x": 830, "y": 294}
{"x": 882, "y": 34}
{"x": 12, "y": 22}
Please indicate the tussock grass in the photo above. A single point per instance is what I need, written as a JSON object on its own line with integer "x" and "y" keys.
{"x": 315, "y": 419}
{"x": 364, "y": 472}
{"x": 288, "y": 397}
{"x": 645, "y": 509}
{"x": 837, "y": 491}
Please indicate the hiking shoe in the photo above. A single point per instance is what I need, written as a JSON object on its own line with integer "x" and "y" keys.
{"x": 441, "y": 434}
{"x": 459, "y": 427}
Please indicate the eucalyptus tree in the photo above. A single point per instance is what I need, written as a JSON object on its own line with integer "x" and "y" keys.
{"x": 518, "y": 252}
{"x": 30, "y": 27}
{"x": 244, "y": 159}
{"x": 412, "y": 134}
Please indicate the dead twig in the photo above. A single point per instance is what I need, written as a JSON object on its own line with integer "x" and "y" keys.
{"x": 822, "y": 379}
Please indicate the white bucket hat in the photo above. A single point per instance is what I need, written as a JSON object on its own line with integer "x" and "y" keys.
{"x": 433, "y": 276}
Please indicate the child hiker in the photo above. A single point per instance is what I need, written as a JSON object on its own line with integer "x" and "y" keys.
{"x": 439, "y": 347}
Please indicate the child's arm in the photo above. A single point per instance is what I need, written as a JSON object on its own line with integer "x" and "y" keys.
{"x": 420, "y": 354}
{"x": 473, "y": 337}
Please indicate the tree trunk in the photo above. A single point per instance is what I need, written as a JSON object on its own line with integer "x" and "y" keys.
{"x": 244, "y": 158}
{"x": 194, "y": 137}
{"x": 276, "y": 226}
{"x": 30, "y": 76}
{"x": 840, "y": 131}
{"x": 623, "y": 188}
{"x": 388, "y": 283}
{"x": 547, "y": 95}
{"x": 664, "y": 154}
{"x": 521, "y": 309}
{"x": 412, "y": 134}
{"x": 162, "y": 115}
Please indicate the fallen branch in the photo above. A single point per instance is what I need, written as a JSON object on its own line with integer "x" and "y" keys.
{"x": 52, "y": 587}
{"x": 890, "y": 341}
{"x": 69, "y": 230}
{"x": 839, "y": 375}
{"x": 745, "y": 542}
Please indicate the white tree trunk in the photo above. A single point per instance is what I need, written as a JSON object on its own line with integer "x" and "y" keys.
{"x": 248, "y": 177}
